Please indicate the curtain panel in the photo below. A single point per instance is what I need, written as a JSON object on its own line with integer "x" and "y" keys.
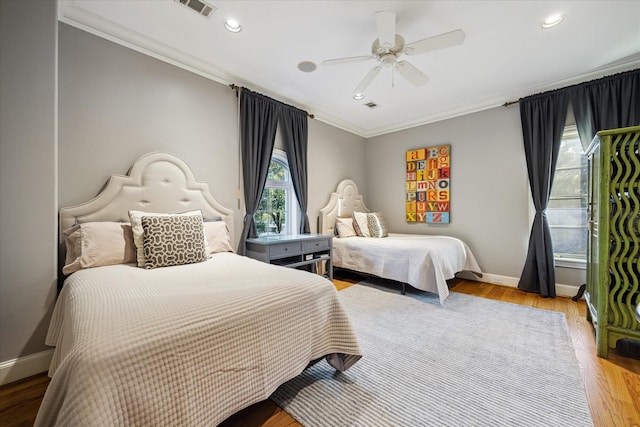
{"x": 607, "y": 103}
{"x": 259, "y": 119}
{"x": 543, "y": 118}
{"x": 294, "y": 130}
{"x": 258, "y": 122}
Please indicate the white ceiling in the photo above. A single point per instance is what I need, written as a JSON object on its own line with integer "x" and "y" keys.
{"x": 506, "y": 54}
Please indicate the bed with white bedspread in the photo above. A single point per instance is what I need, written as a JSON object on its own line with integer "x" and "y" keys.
{"x": 187, "y": 344}
{"x": 425, "y": 262}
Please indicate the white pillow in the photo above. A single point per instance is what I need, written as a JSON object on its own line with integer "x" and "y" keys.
{"x": 360, "y": 224}
{"x": 138, "y": 232}
{"x": 344, "y": 226}
{"x": 217, "y": 235}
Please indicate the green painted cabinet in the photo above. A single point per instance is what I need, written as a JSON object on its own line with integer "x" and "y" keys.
{"x": 613, "y": 250}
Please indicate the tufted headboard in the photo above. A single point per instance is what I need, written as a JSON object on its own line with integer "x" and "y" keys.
{"x": 157, "y": 182}
{"x": 342, "y": 203}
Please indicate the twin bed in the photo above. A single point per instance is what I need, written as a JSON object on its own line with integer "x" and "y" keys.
{"x": 425, "y": 262}
{"x": 194, "y": 342}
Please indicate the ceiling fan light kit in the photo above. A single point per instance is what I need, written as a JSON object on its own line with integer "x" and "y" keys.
{"x": 389, "y": 46}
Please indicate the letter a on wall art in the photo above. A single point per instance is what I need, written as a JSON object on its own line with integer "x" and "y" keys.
{"x": 427, "y": 185}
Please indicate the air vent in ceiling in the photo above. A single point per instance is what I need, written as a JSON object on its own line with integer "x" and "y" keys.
{"x": 199, "y": 6}
{"x": 371, "y": 105}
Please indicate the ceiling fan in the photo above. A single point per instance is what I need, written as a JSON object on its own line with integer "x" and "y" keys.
{"x": 389, "y": 46}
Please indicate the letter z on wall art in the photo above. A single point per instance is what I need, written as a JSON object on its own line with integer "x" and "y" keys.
{"x": 427, "y": 185}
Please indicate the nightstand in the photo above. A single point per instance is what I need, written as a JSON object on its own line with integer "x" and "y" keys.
{"x": 295, "y": 250}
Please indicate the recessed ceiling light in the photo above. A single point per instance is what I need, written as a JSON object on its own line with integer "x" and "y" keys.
{"x": 553, "y": 20}
{"x": 232, "y": 25}
{"x": 307, "y": 66}
{"x": 358, "y": 96}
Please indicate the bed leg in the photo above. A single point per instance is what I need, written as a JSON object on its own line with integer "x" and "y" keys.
{"x": 403, "y": 289}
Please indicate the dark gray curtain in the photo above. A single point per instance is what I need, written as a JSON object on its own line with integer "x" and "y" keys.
{"x": 543, "y": 117}
{"x": 258, "y": 122}
{"x": 293, "y": 124}
{"x": 607, "y": 103}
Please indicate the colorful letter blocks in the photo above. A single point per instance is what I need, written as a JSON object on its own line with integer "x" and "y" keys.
{"x": 427, "y": 184}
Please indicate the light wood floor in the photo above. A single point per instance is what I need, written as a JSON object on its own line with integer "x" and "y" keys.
{"x": 612, "y": 385}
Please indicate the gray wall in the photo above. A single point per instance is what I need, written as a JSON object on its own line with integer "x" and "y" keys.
{"x": 117, "y": 104}
{"x": 28, "y": 210}
{"x": 490, "y": 198}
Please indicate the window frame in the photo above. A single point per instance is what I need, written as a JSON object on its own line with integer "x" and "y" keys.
{"x": 570, "y": 131}
{"x": 292, "y": 208}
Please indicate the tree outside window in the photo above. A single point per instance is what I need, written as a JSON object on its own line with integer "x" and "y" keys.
{"x": 567, "y": 210}
{"x": 277, "y": 210}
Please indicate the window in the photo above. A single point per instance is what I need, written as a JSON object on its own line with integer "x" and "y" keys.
{"x": 278, "y": 210}
{"x": 567, "y": 210}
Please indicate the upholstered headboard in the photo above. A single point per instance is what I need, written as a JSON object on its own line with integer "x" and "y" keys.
{"x": 157, "y": 182}
{"x": 342, "y": 203}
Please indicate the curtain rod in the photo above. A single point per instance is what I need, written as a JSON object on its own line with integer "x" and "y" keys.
{"x": 237, "y": 88}
{"x": 586, "y": 83}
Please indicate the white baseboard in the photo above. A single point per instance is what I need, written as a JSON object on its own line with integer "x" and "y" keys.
{"x": 512, "y": 282}
{"x": 26, "y": 366}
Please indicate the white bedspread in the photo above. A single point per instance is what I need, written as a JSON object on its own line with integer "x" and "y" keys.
{"x": 187, "y": 345}
{"x": 424, "y": 262}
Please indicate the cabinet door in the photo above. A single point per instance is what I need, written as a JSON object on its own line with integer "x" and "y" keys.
{"x": 593, "y": 212}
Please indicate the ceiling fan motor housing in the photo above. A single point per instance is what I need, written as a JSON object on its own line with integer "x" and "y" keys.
{"x": 378, "y": 50}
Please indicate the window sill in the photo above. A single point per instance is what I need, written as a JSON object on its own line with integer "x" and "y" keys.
{"x": 578, "y": 264}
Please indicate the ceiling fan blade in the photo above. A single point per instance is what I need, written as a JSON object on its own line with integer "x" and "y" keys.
{"x": 347, "y": 60}
{"x": 371, "y": 75}
{"x": 452, "y": 38}
{"x": 386, "y": 26}
{"x": 411, "y": 73}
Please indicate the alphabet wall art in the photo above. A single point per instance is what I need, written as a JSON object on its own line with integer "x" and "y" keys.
{"x": 427, "y": 185}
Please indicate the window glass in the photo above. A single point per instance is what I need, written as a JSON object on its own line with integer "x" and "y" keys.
{"x": 278, "y": 210}
{"x": 567, "y": 210}
{"x": 278, "y": 171}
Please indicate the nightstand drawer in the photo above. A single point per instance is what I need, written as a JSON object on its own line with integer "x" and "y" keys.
{"x": 318, "y": 245}
{"x": 285, "y": 249}
{"x": 308, "y": 251}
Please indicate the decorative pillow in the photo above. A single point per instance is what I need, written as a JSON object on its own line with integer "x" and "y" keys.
{"x": 360, "y": 224}
{"x": 217, "y": 235}
{"x": 344, "y": 226}
{"x": 94, "y": 244}
{"x": 136, "y": 227}
{"x": 377, "y": 225}
{"x": 173, "y": 240}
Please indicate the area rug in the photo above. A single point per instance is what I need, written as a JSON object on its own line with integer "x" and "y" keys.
{"x": 471, "y": 362}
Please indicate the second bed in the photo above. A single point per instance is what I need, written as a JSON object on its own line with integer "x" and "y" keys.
{"x": 425, "y": 262}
